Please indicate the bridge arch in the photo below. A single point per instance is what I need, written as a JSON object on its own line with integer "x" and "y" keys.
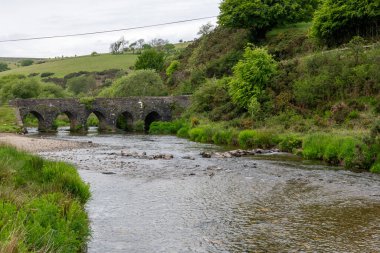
{"x": 101, "y": 117}
{"x": 40, "y": 118}
{"x": 124, "y": 121}
{"x": 71, "y": 116}
{"x": 150, "y": 118}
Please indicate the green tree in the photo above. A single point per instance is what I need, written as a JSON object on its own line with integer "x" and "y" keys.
{"x": 251, "y": 76}
{"x": 26, "y": 88}
{"x": 51, "y": 90}
{"x": 262, "y": 15}
{"x": 337, "y": 21}
{"x": 139, "y": 83}
{"x": 150, "y": 59}
{"x": 3, "y": 66}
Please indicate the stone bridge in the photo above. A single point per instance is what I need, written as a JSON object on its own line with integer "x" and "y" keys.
{"x": 107, "y": 110}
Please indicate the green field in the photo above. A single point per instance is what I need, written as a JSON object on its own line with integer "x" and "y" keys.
{"x": 62, "y": 67}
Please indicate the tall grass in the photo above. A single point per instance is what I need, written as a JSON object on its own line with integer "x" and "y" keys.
{"x": 160, "y": 127}
{"x": 332, "y": 148}
{"x": 41, "y": 205}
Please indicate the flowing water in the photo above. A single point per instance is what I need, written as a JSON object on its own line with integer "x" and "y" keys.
{"x": 220, "y": 205}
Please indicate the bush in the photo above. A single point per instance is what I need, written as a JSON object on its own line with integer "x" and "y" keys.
{"x": 159, "y": 127}
{"x": 46, "y": 74}
{"x": 257, "y": 139}
{"x": 3, "y": 66}
{"x": 81, "y": 84}
{"x": 333, "y": 149}
{"x": 201, "y": 134}
{"x": 213, "y": 100}
{"x": 183, "y": 132}
{"x": 225, "y": 137}
{"x": 150, "y": 59}
{"x": 376, "y": 167}
{"x": 26, "y": 62}
{"x": 289, "y": 143}
{"x": 251, "y": 76}
{"x": 138, "y": 83}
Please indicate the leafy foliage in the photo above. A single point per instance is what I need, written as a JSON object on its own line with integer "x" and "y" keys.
{"x": 3, "y": 66}
{"x": 150, "y": 59}
{"x": 81, "y": 84}
{"x": 251, "y": 76}
{"x": 260, "y": 16}
{"x": 139, "y": 83}
{"x": 213, "y": 101}
{"x": 337, "y": 21}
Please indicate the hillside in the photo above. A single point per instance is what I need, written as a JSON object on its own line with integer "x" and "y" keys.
{"x": 62, "y": 67}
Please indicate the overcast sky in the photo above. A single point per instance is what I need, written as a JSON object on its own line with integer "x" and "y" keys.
{"x": 23, "y": 18}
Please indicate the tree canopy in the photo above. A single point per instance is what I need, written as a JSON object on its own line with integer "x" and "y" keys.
{"x": 3, "y": 66}
{"x": 261, "y": 15}
{"x": 150, "y": 59}
{"x": 138, "y": 83}
{"x": 251, "y": 76}
{"x": 337, "y": 21}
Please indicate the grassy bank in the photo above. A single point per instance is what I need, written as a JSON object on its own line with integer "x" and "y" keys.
{"x": 348, "y": 150}
{"x": 8, "y": 121}
{"x": 41, "y": 205}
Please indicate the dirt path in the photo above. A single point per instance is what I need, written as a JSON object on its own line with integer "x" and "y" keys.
{"x": 35, "y": 145}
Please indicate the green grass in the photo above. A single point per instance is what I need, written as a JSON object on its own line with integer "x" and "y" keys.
{"x": 8, "y": 121}
{"x": 41, "y": 205}
{"x": 62, "y": 67}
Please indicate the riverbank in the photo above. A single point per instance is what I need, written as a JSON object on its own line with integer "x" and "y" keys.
{"x": 41, "y": 202}
{"x": 349, "y": 150}
{"x": 40, "y": 144}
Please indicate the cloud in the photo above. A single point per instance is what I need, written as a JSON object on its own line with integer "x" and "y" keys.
{"x": 45, "y": 17}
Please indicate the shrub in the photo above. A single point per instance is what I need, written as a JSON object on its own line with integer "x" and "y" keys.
{"x": 139, "y": 83}
{"x": 81, "y": 84}
{"x": 174, "y": 65}
{"x": 26, "y": 62}
{"x": 251, "y": 75}
{"x": 46, "y": 74}
{"x": 183, "y": 132}
{"x": 3, "y": 66}
{"x": 334, "y": 149}
{"x": 289, "y": 143}
{"x": 201, "y": 134}
{"x": 376, "y": 167}
{"x": 257, "y": 139}
{"x": 150, "y": 59}
{"x": 159, "y": 127}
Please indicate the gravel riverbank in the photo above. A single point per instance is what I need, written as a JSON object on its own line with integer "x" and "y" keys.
{"x": 40, "y": 144}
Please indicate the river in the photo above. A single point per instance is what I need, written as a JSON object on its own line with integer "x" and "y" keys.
{"x": 195, "y": 204}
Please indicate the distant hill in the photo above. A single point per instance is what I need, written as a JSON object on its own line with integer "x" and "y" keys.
{"x": 63, "y": 66}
